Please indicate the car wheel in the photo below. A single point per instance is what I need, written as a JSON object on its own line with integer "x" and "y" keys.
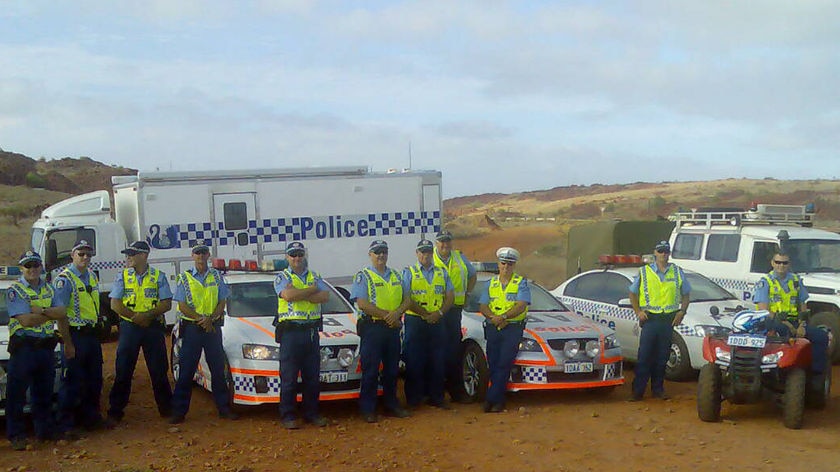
{"x": 678, "y": 366}
{"x": 830, "y": 322}
{"x": 229, "y": 382}
{"x": 475, "y": 372}
{"x": 793, "y": 400}
{"x": 709, "y": 393}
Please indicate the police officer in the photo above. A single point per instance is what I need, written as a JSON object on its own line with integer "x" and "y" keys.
{"x": 378, "y": 293}
{"x": 783, "y": 294}
{"x": 431, "y": 295}
{"x": 504, "y": 304}
{"x": 660, "y": 296}
{"x": 33, "y": 314}
{"x": 462, "y": 274}
{"x": 140, "y": 296}
{"x": 77, "y": 288}
{"x": 300, "y": 293}
{"x": 202, "y": 294}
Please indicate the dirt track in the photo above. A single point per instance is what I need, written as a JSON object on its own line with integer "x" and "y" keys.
{"x": 551, "y": 430}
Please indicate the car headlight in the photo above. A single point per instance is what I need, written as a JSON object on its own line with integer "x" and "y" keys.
{"x": 529, "y": 345}
{"x": 346, "y": 357}
{"x": 593, "y": 348}
{"x": 772, "y": 358}
{"x": 711, "y": 330}
{"x": 611, "y": 342}
{"x": 260, "y": 352}
{"x": 722, "y": 354}
{"x": 571, "y": 348}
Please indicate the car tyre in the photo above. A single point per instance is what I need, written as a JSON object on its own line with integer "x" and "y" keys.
{"x": 793, "y": 400}
{"x": 709, "y": 393}
{"x": 678, "y": 366}
{"x": 475, "y": 373}
{"x": 229, "y": 381}
{"x": 830, "y": 322}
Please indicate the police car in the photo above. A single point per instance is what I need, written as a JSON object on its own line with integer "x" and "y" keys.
{"x": 603, "y": 296}
{"x": 252, "y": 368}
{"x": 8, "y": 275}
{"x": 559, "y": 349}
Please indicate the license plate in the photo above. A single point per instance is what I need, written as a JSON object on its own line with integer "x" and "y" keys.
{"x": 576, "y": 367}
{"x": 333, "y": 377}
{"x": 745, "y": 340}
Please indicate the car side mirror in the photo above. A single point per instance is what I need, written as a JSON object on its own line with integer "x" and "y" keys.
{"x": 624, "y": 303}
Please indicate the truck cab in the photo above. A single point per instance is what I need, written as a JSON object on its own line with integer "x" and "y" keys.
{"x": 733, "y": 247}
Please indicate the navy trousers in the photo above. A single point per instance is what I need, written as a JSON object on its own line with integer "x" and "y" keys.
{"x": 453, "y": 375}
{"x": 194, "y": 340}
{"x": 300, "y": 353}
{"x": 153, "y": 342}
{"x": 423, "y": 353}
{"x": 819, "y": 344}
{"x": 81, "y": 384}
{"x": 379, "y": 344}
{"x": 34, "y": 368}
{"x": 502, "y": 348}
{"x": 654, "y": 350}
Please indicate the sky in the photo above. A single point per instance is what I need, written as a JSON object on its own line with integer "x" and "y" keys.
{"x": 500, "y": 96}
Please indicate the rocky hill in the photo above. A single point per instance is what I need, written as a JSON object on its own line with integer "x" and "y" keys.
{"x": 67, "y": 175}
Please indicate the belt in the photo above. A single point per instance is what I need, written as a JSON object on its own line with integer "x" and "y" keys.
{"x": 663, "y": 313}
{"x": 36, "y": 341}
{"x": 85, "y": 329}
{"x": 297, "y": 326}
{"x": 370, "y": 319}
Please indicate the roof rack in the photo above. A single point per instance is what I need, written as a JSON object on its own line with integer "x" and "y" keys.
{"x": 767, "y": 214}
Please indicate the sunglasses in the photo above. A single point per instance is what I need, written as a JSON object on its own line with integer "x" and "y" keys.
{"x": 31, "y": 265}
{"x": 663, "y": 251}
{"x": 781, "y": 262}
{"x": 202, "y": 252}
{"x": 506, "y": 263}
{"x": 379, "y": 252}
{"x": 85, "y": 254}
{"x": 425, "y": 251}
{"x": 295, "y": 254}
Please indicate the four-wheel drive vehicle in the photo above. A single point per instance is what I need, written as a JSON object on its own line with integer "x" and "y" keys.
{"x": 602, "y": 295}
{"x": 749, "y": 362}
{"x": 558, "y": 350}
{"x": 246, "y": 215}
{"x": 252, "y": 355}
{"x": 733, "y": 247}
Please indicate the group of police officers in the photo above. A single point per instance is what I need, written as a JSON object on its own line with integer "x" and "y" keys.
{"x": 426, "y": 300}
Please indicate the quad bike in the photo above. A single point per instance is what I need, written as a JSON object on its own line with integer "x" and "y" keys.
{"x": 752, "y": 360}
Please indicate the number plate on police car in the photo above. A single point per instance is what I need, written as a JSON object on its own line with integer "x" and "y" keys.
{"x": 576, "y": 367}
{"x": 745, "y": 340}
{"x": 333, "y": 377}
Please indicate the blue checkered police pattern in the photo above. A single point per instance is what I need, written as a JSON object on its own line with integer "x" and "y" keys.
{"x": 280, "y": 230}
{"x": 587, "y": 308}
{"x": 105, "y": 265}
{"x": 532, "y": 374}
{"x": 245, "y": 384}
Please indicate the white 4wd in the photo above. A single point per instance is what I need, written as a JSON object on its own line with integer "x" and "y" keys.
{"x": 733, "y": 247}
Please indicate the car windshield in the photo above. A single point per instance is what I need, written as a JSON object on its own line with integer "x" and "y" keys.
{"x": 814, "y": 255}
{"x": 4, "y": 310}
{"x": 704, "y": 290}
{"x": 541, "y": 299}
{"x": 250, "y": 299}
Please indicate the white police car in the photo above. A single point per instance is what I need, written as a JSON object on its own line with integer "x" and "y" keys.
{"x": 252, "y": 362}
{"x": 559, "y": 349}
{"x": 603, "y": 296}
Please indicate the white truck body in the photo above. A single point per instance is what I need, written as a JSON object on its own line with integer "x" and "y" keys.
{"x": 733, "y": 248}
{"x": 247, "y": 215}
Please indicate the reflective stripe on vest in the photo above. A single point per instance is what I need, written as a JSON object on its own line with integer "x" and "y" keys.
{"x": 428, "y": 295}
{"x": 386, "y": 295}
{"x": 458, "y": 273}
{"x": 42, "y": 298}
{"x": 84, "y": 304}
{"x": 140, "y": 297}
{"x": 302, "y": 310}
{"x": 203, "y": 298}
{"x": 660, "y": 296}
{"x": 503, "y": 299}
{"x": 781, "y": 301}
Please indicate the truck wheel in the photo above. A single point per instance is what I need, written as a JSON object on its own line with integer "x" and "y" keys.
{"x": 678, "y": 366}
{"x": 818, "y": 390}
{"x": 794, "y": 398}
{"x": 475, "y": 372}
{"x": 829, "y": 321}
{"x": 709, "y": 393}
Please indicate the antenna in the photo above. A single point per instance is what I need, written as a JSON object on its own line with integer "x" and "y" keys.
{"x": 409, "y": 154}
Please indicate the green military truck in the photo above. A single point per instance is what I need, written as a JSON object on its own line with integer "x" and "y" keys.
{"x": 587, "y": 242}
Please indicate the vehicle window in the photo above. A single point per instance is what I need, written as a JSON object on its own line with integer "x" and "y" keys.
{"x": 4, "y": 310}
{"x": 541, "y": 299}
{"x": 236, "y": 216}
{"x": 762, "y": 252}
{"x": 704, "y": 290}
{"x": 605, "y": 287}
{"x": 814, "y": 255}
{"x": 472, "y": 299}
{"x": 258, "y": 299}
{"x": 723, "y": 247}
{"x": 60, "y": 244}
{"x": 687, "y": 246}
